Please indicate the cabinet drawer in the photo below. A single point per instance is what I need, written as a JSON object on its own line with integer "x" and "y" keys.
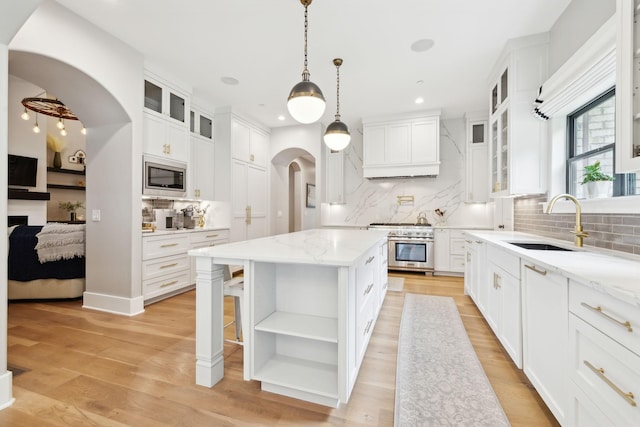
{"x": 610, "y": 315}
{"x": 163, "y": 266}
{"x": 457, "y": 263}
{"x": 165, "y": 284}
{"x": 159, "y": 246}
{"x": 364, "y": 328}
{"x": 204, "y": 238}
{"x": 365, "y": 278}
{"x": 606, "y": 371}
{"x": 505, "y": 260}
{"x": 457, "y": 246}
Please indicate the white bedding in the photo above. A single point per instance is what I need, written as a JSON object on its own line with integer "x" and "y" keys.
{"x": 59, "y": 241}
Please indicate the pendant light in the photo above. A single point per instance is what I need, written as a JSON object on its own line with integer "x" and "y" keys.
{"x": 337, "y": 135}
{"x": 306, "y": 103}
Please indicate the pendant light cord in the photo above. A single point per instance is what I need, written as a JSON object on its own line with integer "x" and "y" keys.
{"x": 338, "y": 93}
{"x": 305, "y": 72}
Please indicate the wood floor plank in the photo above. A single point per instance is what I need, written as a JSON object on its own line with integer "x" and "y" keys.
{"x": 92, "y": 368}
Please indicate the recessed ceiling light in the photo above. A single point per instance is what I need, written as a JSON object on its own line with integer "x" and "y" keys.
{"x": 419, "y": 82}
{"x": 229, "y": 81}
{"x": 422, "y": 45}
{"x": 419, "y": 100}
{"x": 281, "y": 117}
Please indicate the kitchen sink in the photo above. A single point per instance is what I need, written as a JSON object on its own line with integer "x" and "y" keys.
{"x": 539, "y": 246}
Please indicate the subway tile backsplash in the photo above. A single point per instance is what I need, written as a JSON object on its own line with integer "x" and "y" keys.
{"x": 619, "y": 232}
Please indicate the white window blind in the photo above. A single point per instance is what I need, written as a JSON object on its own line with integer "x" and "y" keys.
{"x": 588, "y": 72}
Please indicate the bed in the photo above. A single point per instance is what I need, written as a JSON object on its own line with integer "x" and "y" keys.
{"x": 46, "y": 262}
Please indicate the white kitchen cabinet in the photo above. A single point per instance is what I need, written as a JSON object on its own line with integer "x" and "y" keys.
{"x": 383, "y": 272}
{"x": 545, "y": 332}
{"x": 248, "y": 143}
{"x": 503, "y": 302}
{"x": 516, "y": 138}
{"x": 240, "y": 173}
{"x": 205, "y": 239}
{"x": 627, "y": 82}
{"x": 479, "y": 284}
{"x": 477, "y": 159}
{"x": 604, "y": 348}
{"x": 449, "y": 251}
{"x": 407, "y": 145}
{"x": 201, "y": 184}
{"x": 441, "y": 249}
{"x": 248, "y": 202}
{"x": 165, "y": 266}
{"x": 201, "y": 123}
{"x": 334, "y": 176}
{"x": 165, "y": 122}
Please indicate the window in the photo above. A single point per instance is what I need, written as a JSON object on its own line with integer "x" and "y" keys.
{"x": 592, "y": 137}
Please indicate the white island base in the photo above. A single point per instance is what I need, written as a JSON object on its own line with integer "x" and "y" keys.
{"x": 311, "y": 302}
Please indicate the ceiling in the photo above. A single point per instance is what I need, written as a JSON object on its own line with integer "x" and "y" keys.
{"x": 260, "y": 43}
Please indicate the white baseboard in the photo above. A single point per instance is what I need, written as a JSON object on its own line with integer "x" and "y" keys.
{"x": 113, "y": 304}
{"x": 6, "y": 392}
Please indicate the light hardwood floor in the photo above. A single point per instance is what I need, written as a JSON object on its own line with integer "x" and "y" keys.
{"x": 86, "y": 368}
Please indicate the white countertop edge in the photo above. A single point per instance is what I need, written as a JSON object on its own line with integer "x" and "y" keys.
{"x": 182, "y": 231}
{"x": 627, "y": 291}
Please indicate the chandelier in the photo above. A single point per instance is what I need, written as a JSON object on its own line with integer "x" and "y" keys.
{"x": 49, "y": 107}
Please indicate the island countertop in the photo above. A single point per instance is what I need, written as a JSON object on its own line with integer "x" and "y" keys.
{"x": 322, "y": 246}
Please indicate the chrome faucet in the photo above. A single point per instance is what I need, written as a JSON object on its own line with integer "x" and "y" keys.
{"x": 580, "y": 234}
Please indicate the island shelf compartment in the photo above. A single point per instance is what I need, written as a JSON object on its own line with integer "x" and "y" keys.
{"x": 295, "y": 330}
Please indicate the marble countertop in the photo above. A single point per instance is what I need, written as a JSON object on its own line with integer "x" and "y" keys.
{"x": 604, "y": 270}
{"x": 181, "y": 231}
{"x": 323, "y": 246}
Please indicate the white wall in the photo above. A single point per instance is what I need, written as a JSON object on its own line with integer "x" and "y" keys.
{"x": 375, "y": 200}
{"x": 100, "y": 79}
{"x": 576, "y": 24}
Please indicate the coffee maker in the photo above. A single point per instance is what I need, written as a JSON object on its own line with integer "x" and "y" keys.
{"x": 165, "y": 219}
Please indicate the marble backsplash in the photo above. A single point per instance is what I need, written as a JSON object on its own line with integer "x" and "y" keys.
{"x": 376, "y": 200}
{"x": 618, "y": 232}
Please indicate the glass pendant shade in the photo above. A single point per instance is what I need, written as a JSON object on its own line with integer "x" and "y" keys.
{"x": 337, "y": 135}
{"x": 306, "y": 103}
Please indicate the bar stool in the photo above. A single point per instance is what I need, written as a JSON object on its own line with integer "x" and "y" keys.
{"x": 234, "y": 287}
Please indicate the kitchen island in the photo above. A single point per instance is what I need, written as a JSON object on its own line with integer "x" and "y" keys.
{"x": 311, "y": 300}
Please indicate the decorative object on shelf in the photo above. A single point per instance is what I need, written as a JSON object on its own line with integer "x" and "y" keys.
{"x": 311, "y": 195}
{"x": 598, "y": 183}
{"x": 306, "y": 103}
{"x": 79, "y": 157}
{"x": 71, "y": 207}
{"x": 49, "y": 107}
{"x": 56, "y": 145}
{"x": 440, "y": 213}
{"x": 337, "y": 135}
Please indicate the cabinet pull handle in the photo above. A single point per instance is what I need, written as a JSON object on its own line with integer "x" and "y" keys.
{"x": 366, "y": 291}
{"x": 598, "y": 309}
{"x": 366, "y": 329}
{"x": 533, "y": 268}
{"x": 478, "y": 241}
{"x": 371, "y": 258}
{"x": 247, "y": 211}
{"x": 169, "y": 265}
{"x": 629, "y": 397}
{"x": 211, "y": 236}
{"x": 168, "y": 245}
{"x": 173, "y": 282}
{"x": 496, "y": 281}
{"x": 468, "y": 241}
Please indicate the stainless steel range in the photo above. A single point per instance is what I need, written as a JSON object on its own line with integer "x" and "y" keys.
{"x": 410, "y": 246}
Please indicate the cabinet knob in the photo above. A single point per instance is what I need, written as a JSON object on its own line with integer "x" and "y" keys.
{"x": 252, "y": 157}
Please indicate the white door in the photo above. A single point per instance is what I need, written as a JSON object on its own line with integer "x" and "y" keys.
{"x": 257, "y": 201}
{"x": 239, "y": 201}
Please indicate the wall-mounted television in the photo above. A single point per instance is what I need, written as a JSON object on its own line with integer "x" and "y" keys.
{"x": 22, "y": 170}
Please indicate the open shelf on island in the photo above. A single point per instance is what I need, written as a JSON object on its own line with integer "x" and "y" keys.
{"x": 301, "y": 325}
{"x": 304, "y": 375}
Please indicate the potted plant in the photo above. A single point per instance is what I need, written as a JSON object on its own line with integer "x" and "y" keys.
{"x": 71, "y": 208}
{"x": 598, "y": 183}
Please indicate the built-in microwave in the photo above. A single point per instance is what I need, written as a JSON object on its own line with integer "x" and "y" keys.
{"x": 163, "y": 177}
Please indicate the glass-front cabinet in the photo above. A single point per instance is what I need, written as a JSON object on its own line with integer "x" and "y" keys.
{"x": 627, "y": 86}
{"x": 164, "y": 100}
{"x": 516, "y": 138}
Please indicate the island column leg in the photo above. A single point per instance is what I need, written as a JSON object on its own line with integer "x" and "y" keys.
{"x": 209, "y": 322}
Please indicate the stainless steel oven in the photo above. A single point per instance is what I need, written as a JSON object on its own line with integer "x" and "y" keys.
{"x": 410, "y": 246}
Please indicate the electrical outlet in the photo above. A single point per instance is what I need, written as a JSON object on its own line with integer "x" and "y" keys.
{"x": 95, "y": 215}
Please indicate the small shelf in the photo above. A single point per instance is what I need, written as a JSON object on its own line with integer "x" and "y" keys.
{"x": 28, "y": 195}
{"x": 67, "y": 187}
{"x": 300, "y": 374}
{"x": 301, "y": 325}
{"x": 67, "y": 171}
